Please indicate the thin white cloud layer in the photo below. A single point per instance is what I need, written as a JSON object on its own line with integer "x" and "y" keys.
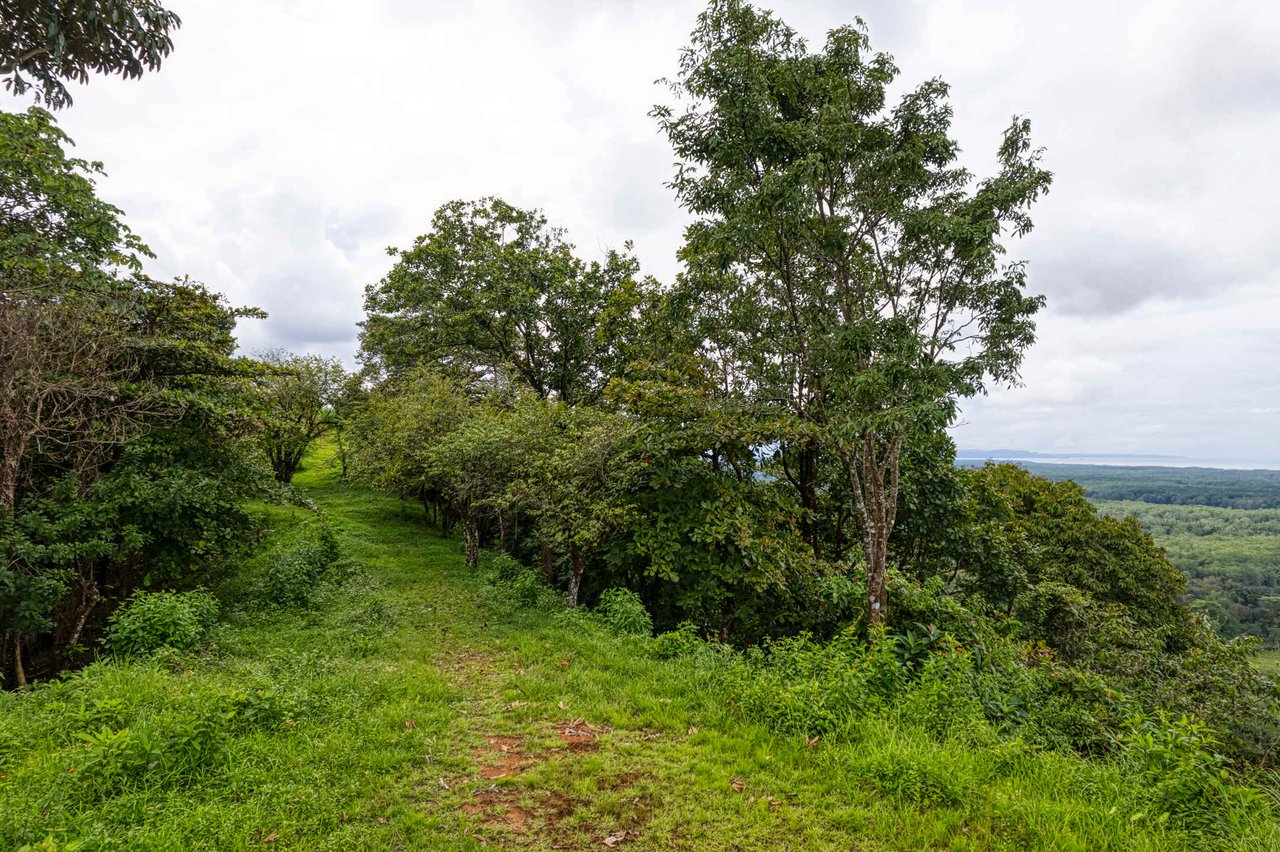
{"x": 285, "y": 145}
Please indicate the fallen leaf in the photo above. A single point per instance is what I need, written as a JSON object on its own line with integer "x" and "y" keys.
{"x": 738, "y": 785}
{"x": 564, "y": 663}
{"x": 561, "y": 705}
{"x": 812, "y": 741}
{"x": 614, "y": 839}
{"x": 692, "y": 730}
{"x": 443, "y": 783}
{"x": 382, "y": 820}
{"x": 520, "y": 670}
{"x": 409, "y": 724}
{"x": 271, "y": 838}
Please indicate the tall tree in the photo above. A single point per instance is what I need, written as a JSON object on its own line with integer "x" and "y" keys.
{"x": 44, "y": 44}
{"x": 493, "y": 291}
{"x": 857, "y": 270}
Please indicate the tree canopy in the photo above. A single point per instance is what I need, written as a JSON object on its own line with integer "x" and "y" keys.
{"x": 851, "y": 272}
{"x": 45, "y": 44}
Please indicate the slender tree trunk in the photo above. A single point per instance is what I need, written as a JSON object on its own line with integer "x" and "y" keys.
{"x": 342, "y": 455}
{"x": 10, "y": 466}
{"x": 875, "y": 486}
{"x": 548, "y": 565}
{"x": 19, "y": 673}
{"x": 578, "y": 562}
{"x": 90, "y": 598}
{"x": 504, "y": 532}
{"x": 471, "y": 538}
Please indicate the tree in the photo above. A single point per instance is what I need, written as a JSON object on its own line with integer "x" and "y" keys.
{"x": 576, "y": 482}
{"x": 395, "y": 430}
{"x": 855, "y": 268}
{"x": 124, "y": 415}
{"x": 46, "y": 44}
{"x": 495, "y": 292}
{"x": 299, "y": 392}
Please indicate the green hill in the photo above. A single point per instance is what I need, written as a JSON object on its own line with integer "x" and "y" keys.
{"x": 412, "y": 705}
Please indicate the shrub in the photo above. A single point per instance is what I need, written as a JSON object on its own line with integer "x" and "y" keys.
{"x": 293, "y": 578}
{"x": 116, "y": 761}
{"x": 149, "y": 621}
{"x": 623, "y": 612}
{"x": 515, "y": 581}
{"x": 684, "y": 641}
{"x": 912, "y": 780}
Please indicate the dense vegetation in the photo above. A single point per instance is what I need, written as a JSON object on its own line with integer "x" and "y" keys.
{"x": 750, "y": 462}
{"x": 1231, "y": 557}
{"x": 411, "y": 702}
{"x": 125, "y": 418}
{"x": 1181, "y": 486}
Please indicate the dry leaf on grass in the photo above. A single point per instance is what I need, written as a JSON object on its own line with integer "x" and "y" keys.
{"x": 614, "y": 839}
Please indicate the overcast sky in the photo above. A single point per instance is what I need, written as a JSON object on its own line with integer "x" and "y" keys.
{"x": 285, "y": 145}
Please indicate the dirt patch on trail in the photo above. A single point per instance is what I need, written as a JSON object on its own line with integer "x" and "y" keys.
{"x": 509, "y": 759}
{"x": 579, "y": 735}
{"x": 499, "y": 811}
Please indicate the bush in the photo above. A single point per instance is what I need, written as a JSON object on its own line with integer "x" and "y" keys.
{"x": 623, "y": 612}
{"x": 116, "y": 761}
{"x": 514, "y": 580}
{"x": 684, "y": 641}
{"x": 149, "y": 621}
{"x": 292, "y": 579}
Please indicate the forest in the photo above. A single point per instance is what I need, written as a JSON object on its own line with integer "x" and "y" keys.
{"x": 1177, "y": 486}
{"x": 265, "y": 598}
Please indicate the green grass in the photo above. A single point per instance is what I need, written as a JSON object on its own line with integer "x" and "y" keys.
{"x": 378, "y": 716}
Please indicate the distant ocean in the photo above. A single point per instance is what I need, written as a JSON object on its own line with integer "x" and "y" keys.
{"x": 975, "y": 456}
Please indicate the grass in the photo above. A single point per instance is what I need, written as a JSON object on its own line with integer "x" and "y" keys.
{"x": 415, "y": 707}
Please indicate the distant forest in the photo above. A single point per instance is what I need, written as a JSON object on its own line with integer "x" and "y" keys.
{"x": 1219, "y": 527}
{"x": 1182, "y": 486}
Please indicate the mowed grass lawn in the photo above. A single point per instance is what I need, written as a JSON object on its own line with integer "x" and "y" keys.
{"x": 413, "y": 706}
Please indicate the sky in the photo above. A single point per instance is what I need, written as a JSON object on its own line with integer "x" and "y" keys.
{"x": 284, "y": 146}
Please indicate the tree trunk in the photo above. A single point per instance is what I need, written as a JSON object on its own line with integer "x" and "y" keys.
{"x": 10, "y": 466}
{"x": 471, "y": 539}
{"x": 578, "y": 561}
{"x": 19, "y": 673}
{"x": 548, "y": 565}
{"x": 342, "y": 455}
{"x": 875, "y": 487}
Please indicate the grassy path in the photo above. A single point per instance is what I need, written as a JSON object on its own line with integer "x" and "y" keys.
{"x": 414, "y": 707}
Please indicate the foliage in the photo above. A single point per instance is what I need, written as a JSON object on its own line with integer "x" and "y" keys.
{"x": 311, "y": 723}
{"x": 1230, "y": 557}
{"x": 293, "y": 576}
{"x": 148, "y": 621}
{"x": 496, "y": 292}
{"x": 847, "y": 272}
{"x": 125, "y": 417}
{"x": 299, "y": 392}
{"x": 49, "y": 44}
{"x": 624, "y": 613}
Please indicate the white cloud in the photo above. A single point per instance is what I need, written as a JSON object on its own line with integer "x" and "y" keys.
{"x": 285, "y": 145}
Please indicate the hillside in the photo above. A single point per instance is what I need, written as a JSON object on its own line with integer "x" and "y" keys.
{"x": 414, "y": 706}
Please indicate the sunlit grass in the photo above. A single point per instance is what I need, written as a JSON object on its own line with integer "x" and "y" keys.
{"x": 387, "y": 693}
